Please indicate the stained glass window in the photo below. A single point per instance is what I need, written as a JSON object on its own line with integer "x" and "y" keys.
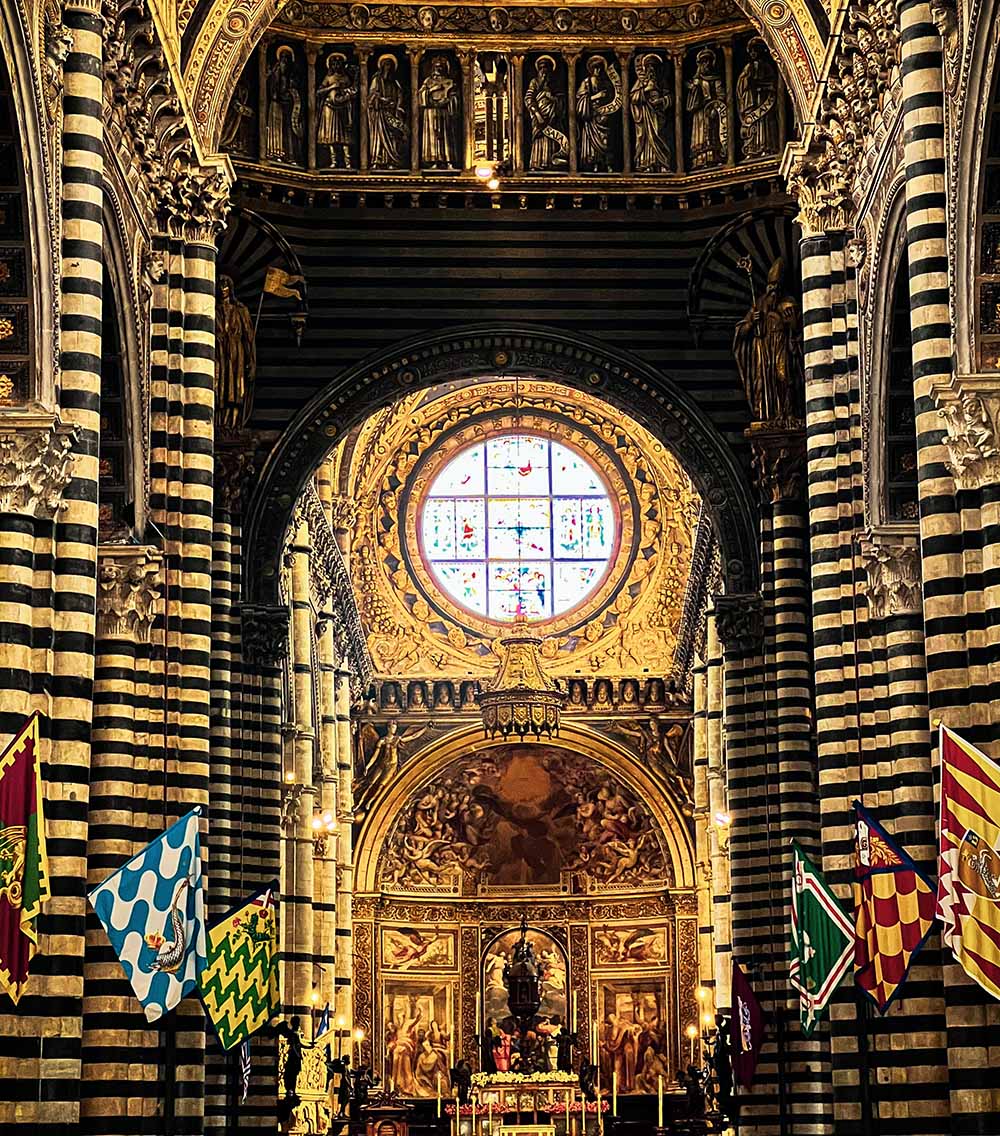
{"x": 518, "y": 525}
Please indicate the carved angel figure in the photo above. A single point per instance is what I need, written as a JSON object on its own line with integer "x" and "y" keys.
{"x": 383, "y": 755}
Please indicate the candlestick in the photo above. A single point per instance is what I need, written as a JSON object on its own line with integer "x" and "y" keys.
{"x": 439, "y": 1096}
{"x": 573, "y": 1005}
{"x": 659, "y": 1101}
{"x": 614, "y": 1093}
{"x": 593, "y": 1043}
{"x": 490, "y": 1115}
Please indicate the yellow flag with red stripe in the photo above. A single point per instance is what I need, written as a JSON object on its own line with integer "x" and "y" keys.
{"x": 968, "y": 896}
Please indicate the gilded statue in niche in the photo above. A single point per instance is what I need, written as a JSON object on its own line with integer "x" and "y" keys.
{"x": 335, "y": 100}
{"x": 527, "y": 814}
{"x": 768, "y": 350}
{"x": 598, "y": 101}
{"x": 387, "y": 124}
{"x": 236, "y": 358}
{"x": 440, "y": 109}
{"x": 757, "y": 100}
{"x": 706, "y": 104}
{"x": 545, "y": 107}
{"x": 285, "y": 127}
{"x": 650, "y": 103}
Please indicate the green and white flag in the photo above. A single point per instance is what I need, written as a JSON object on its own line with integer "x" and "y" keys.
{"x": 822, "y": 940}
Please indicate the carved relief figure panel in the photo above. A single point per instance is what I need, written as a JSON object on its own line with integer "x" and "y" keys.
{"x": 285, "y": 127}
{"x": 707, "y": 106}
{"x": 440, "y": 100}
{"x": 336, "y": 110}
{"x": 598, "y": 114}
{"x": 387, "y": 107}
{"x": 651, "y": 107}
{"x": 758, "y": 92}
{"x": 545, "y": 109}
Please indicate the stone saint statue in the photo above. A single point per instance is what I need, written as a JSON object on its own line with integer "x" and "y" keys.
{"x": 283, "y": 137}
{"x": 387, "y": 126}
{"x": 768, "y": 353}
{"x": 439, "y": 111}
{"x": 757, "y": 99}
{"x": 235, "y": 358}
{"x": 237, "y": 133}
{"x": 706, "y": 103}
{"x": 598, "y": 100}
{"x": 335, "y": 98}
{"x": 545, "y": 106}
{"x": 650, "y": 104}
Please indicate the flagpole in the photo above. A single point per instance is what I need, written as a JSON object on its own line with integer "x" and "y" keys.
{"x": 256, "y": 318}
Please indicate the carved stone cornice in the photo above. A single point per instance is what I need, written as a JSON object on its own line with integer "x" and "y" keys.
{"x": 778, "y": 462}
{"x": 969, "y": 408}
{"x": 36, "y": 462}
{"x": 739, "y": 622}
{"x": 892, "y": 564}
{"x": 129, "y": 590}
{"x": 264, "y": 634}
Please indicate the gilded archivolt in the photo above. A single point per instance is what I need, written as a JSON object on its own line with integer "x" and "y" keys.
{"x": 630, "y": 625}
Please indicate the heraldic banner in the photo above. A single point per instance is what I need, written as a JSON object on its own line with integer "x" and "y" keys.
{"x": 153, "y": 909}
{"x": 968, "y": 895}
{"x": 24, "y": 870}
{"x": 239, "y": 984}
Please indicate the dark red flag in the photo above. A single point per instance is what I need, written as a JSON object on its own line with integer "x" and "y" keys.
{"x": 747, "y": 1029}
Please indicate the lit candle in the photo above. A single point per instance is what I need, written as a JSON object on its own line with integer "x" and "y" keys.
{"x": 439, "y": 1096}
{"x": 593, "y": 1043}
{"x": 490, "y": 1117}
{"x": 573, "y": 1004}
{"x": 479, "y": 1005}
{"x": 659, "y": 1101}
{"x": 692, "y": 1032}
{"x": 614, "y": 1093}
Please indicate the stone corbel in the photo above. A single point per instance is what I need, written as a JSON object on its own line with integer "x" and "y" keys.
{"x": 778, "y": 461}
{"x": 739, "y": 622}
{"x": 129, "y": 590}
{"x": 36, "y": 461}
{"x": 892, "y": 566}
{"x": 969, "y": 408}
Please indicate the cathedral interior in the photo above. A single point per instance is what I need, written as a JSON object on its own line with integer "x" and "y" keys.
{"x": 518, "y": 472}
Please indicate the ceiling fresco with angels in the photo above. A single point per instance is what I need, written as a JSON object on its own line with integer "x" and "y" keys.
{"x": 474, "y": 510}
{"x": 530, "y": 816}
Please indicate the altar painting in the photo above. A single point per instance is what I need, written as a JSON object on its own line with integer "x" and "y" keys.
{"x": 554, "y": 1005}
{"x": 632, "y": 1033}
{"x": 417, "y": 948}
{"x": 628, "y": 946}
{"x": 418, "y": 1042}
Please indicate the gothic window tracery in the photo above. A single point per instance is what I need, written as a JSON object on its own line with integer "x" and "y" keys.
{"x": 900, "y": 440}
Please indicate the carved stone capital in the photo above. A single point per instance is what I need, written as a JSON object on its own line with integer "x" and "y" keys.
{"x": 892, "y": 565}
{"x": 969, "y": 408}
{"x": 265, "y": 633}
{"x": 36, "y": 462}
{"x": 739, "y": 622}
{"x": 235, "y": 465}
{"x": 193, "y": 200}
{"x": 823, "y": 195}
{"x": 129, "y": 589}
{"x": 778, "y": 462}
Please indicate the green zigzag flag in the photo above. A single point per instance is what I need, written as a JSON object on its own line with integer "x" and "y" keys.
{"x": 239, "y": 985}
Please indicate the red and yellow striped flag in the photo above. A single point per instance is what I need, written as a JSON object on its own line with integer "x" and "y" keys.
{"x": 968, "y": 897}
{"x": 24, "y": 869}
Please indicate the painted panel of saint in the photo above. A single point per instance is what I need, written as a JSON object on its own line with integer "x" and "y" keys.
{"x": 545, "y": 108}
{"x": 633, "y": 1033}
{"x": 417, "y": 1034}
{"x": 440, "y": 100}
{"x": 285, "y": 128}
{"x": 496, "y": 1014}
{"x": 628, "y": 946}
{"x": 417, "y": 948}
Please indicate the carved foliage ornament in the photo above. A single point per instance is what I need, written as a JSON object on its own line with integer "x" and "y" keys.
{"x": 970, "y": 412}
{"x": 265, "y": 634}
{"x": 35, "y": 466}
{"x": 892, "y": 565}
{"x": 129, "y": 588}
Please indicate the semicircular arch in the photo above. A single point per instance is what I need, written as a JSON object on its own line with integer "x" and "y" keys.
{"x": 621, "y": 380}
{"x": 430, "y": 761}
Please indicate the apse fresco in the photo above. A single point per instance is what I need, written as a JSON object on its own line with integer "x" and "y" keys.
{"x": 553, "y": 1009}
{"x": 518, "y": 525}
{"x": 418, "y": 1044}
{"x": 632, "y": 1033}
{"x": 524, "y": 815}
{"x": 417, "y": 948}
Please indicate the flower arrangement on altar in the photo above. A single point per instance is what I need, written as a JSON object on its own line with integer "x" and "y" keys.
{"x": 490, "y": 1080}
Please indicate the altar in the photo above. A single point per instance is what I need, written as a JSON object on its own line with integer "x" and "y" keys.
{"x": 534, "y": 1104}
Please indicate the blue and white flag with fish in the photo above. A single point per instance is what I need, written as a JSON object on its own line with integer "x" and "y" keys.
{"x": 153, "y": 909}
